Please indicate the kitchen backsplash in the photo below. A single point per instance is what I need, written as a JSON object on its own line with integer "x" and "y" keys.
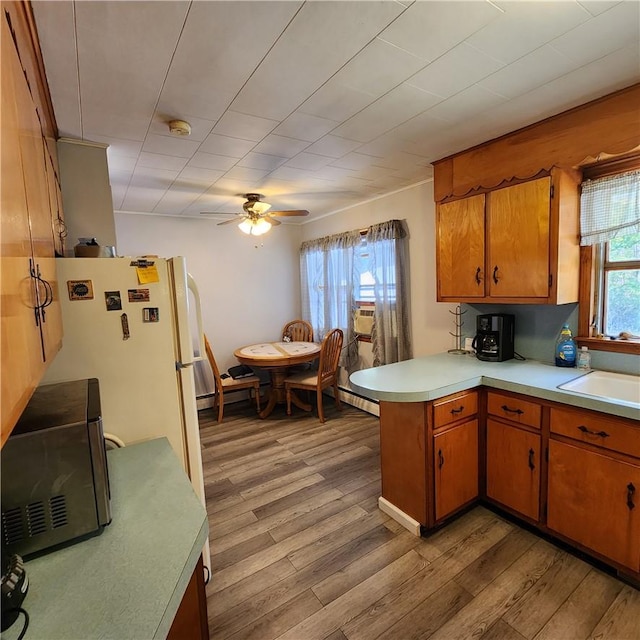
{"x": 536, "y": 330}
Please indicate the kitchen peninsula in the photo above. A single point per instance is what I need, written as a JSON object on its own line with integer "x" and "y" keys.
{"x": 454, "y": 430}
{"x": 139, "y": 578}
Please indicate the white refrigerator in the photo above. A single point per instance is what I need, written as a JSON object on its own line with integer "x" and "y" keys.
{"x": 128, "y": 322}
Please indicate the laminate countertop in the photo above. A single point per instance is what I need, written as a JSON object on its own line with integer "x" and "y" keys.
{"x": 435, "y": 376}
{"x": 128, "y": 581}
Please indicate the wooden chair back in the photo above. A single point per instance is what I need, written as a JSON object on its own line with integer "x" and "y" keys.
{"x": 212, "y": 362}
{"x": 298, "y": 331}
{"x": 330, "y": 356}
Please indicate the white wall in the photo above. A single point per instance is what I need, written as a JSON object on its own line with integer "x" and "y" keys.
{"x": 249, "y": 287}
{"x": 431, "y": 321}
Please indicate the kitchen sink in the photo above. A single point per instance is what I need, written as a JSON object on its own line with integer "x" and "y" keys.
{"x": 604, "y": 384}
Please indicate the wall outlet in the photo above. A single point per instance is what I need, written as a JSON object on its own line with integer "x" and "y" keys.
{"x": 467, "y": 345}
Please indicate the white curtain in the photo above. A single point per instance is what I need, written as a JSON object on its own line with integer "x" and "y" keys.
{"x": 329, "y": 286}
{"x": 388, "y": 264}
{"x": 609, "y": 207}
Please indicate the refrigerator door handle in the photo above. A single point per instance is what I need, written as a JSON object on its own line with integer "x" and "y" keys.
{"x": 193, "y": 287}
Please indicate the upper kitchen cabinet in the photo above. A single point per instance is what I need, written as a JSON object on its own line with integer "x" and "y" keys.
{"x": 517, "y": 244}
{"x": 507, "y": 214}
{"x": 31, "y": 320}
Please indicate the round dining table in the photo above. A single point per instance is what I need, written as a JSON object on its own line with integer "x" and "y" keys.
{"x": 277, "y": 357}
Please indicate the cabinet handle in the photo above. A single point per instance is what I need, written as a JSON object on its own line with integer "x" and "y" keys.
{"x": 509, "y": 410}
{"x": 630, "y": 493}
{"x": 532, "y": 453}
{"x": 601, "y": 434}
{"x": 459, "y": 410}
{"x": 495, "y": 274}
{"x": 478, "y": 278}
{"x": 32, "y": 275}
{"x": 440, "y": 459}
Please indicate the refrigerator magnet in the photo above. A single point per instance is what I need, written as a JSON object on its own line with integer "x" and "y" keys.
{"x": 150, "y": 314}
{"x": 138, "y": 295}
{"x": 80, "y": 289}
{"x": 113, "y": 300}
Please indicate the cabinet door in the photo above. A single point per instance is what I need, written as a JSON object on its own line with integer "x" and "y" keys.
{"x": 460, "y": 248}
{"x": 455, "y": 462}
{"x": 595, "y": 500}
{"x": 22, "y": 364}
{"x": 513, "y": 468}
{"x": 518, "y": 240}
{"x": 32, "y": 153}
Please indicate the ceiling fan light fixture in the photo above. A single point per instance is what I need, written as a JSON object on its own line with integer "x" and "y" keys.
{"x": 254, "y": 227}
{"x": 261, "y": 207}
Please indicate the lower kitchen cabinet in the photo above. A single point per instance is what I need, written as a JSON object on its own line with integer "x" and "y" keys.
{"x": 455, "y": 461}
{"x": 513, "y": 468}
{"x": 191, "y": 620}
{"x": 594, "y": 500}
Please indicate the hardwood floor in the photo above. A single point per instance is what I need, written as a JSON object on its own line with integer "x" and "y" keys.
{"x": 300, "y": 550}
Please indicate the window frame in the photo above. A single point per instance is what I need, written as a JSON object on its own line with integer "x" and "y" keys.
{"x": 588, "y": 269}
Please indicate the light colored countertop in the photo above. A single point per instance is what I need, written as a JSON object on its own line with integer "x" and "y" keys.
{"x": 128, "y": 581}
{"x": 435, "y": 376}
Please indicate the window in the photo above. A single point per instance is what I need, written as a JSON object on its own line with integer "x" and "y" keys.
{"x": 338, "y": 272}
{"x": 610, "y": 256}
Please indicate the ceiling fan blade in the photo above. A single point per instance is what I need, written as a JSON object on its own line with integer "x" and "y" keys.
{"x": 290, "y": 212}
{"x": 231, "y": 220}
{"x": 273, "y": 221}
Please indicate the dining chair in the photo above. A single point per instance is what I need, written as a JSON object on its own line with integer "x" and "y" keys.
{"x": 325, "y": 376}
{"x": 298, "y": 331}
{"x": 223, "y": 385}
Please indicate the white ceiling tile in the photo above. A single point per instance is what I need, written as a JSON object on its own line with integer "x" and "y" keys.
{"x": 226, "y": 146}
{"x": 332, "y": 146}
{"x": 200, "y": 174}
{"x": 158, "y": 161}
{"x": 220, "y": 46}
{"x": 241, "y": 125}
{"x": 429, "y": 29}
{"x": 321, "y": 38}
{"x": 233, "y": 187}
{"x": 466, "y": 104}
{"x": 175, "y": 146}
{"x": 596, "y": 7}
{"x": 457, "y": 69}
{"x": 200, "y": 128}
{"x": 245, "y": 174}
{"x": 211, "y": 202}
{"x": 335, "y": 101}
{"x": 281, "y": 146}
{"x": 124, "y": 56}
{"x": 56, "y": 32}
{"x": 394, "y": 108}
{"x": 308, "y": 161}
{"x": 610, "y": 31}
{"x": 261, "y": 161}
{"x": 117, "y": 146}
{"x": 118, "y": 192}
{"x": 120, "y": 163}
{"x": 142, "y": 199}
{"x": 211, "y": 161}
{"x": 525, "y": 26}
{"x": 527, "y": 73}
{"x": 355, "y": 161}
{"x": 378, "y": 68}
{"x": 289, "y": 174}
{"x": 304, "y": 126}
{"x": 152, "y": 177}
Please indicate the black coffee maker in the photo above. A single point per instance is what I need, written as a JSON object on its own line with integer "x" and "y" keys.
{"x": 494, "y": 337}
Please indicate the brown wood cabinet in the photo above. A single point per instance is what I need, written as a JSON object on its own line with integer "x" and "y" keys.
{"x": 429, "y": 455}
{"x": 31, "y": 320}
{"x": 455, "y": 463}
{"x": 191, "y": 620}
{"x": 594, "y": 484}
{"x": 517, "y": 244}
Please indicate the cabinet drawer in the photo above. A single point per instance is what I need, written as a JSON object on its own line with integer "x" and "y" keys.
{"x": 596, "y": 429}
{"x": 453, "y": 408}
{"x": 514, "y": 409}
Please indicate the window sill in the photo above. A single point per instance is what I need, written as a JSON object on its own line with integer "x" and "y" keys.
{"x": 616, "y": 346}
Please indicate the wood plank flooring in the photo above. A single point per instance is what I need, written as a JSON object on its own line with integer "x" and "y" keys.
{"x": 300, "y": 550}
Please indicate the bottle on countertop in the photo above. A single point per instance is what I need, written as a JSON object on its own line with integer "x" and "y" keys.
{"x": 584, "y": 359}
{"x": 565, "y": 348}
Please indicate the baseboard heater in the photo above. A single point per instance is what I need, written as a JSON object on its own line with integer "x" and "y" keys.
{"x": 355, "y": 400}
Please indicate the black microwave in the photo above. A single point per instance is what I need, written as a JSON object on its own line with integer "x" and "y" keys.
{"x": 55, "y": 479}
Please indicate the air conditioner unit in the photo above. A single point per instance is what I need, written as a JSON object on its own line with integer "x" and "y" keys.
{"x": 363, "y": 321}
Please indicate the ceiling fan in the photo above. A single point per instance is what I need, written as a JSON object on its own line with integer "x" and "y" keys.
{"x": 255, "y": 219}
